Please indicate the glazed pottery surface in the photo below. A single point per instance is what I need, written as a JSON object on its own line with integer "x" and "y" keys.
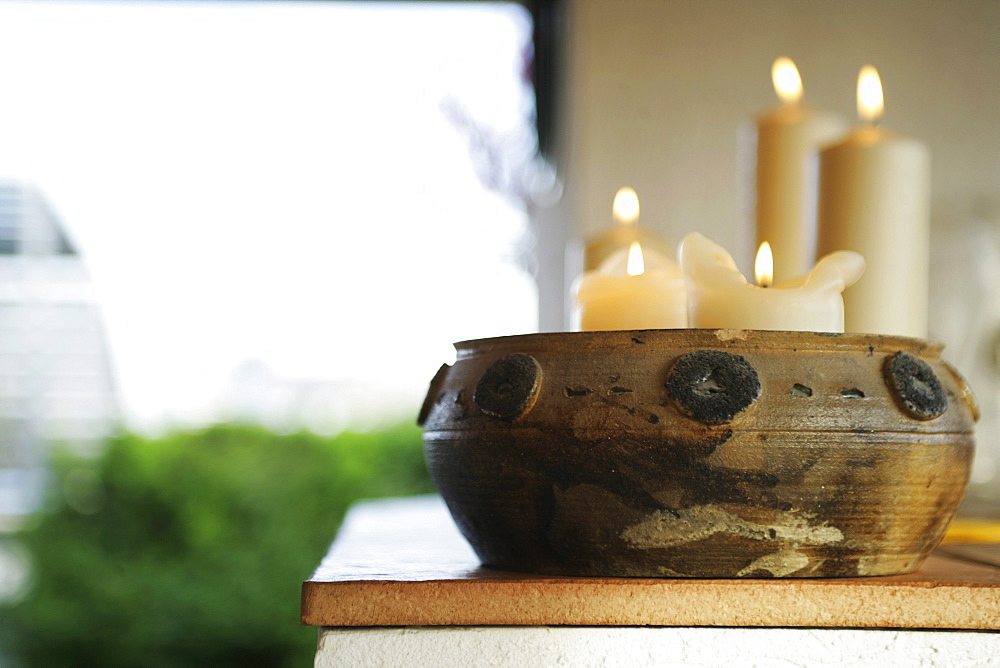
{"x": 700, "y": 453}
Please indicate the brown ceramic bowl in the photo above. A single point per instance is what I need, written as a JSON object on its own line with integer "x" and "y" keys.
{"x": 700, "y": 453}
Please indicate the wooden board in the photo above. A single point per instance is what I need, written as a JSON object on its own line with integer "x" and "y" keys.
{"x": 403, "y": 563}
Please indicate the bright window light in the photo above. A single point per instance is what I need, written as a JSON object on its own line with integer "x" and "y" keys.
{"x": 281, "y": 204}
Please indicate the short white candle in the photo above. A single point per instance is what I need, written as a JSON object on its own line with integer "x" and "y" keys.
{"x": 633, "y": 289}
{"x": 720, "y": 297}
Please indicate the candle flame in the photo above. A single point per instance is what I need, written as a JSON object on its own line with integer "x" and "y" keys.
{"x": 786, "y": 79}
{"x": 870, "y": 100}
{"x": 626, "y": 206}
{"x": 763, "y": 266}
{"x": 635, "y": 265}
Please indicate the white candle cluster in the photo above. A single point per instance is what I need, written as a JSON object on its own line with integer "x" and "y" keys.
{"x": 870, "y": 196}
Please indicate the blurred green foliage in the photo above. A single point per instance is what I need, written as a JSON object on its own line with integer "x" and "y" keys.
{"x": 190, "y": 549}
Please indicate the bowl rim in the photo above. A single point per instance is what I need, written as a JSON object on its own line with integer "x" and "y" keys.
{"x": 664, "y": 339}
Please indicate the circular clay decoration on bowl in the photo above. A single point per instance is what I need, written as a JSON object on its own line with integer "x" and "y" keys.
{"x": 915, "y": 387}
{"x": 508, "y": 387}
{"x": 712, "y": 386}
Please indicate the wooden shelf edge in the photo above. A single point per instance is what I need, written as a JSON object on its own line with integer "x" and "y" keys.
{"x": 757, "y": 604}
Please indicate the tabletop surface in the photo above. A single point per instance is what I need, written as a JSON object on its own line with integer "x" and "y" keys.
{"x": 402, "y": 562}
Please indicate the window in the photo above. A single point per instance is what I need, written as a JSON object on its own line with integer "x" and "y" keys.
{"x": 286, "y": 193}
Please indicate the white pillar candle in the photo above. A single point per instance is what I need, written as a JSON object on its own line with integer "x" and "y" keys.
{"x": 632, "y": 289}
{"x": 719, "y": 296}
{"x": 788, "y": 140}
{"x": 875, "y": 199}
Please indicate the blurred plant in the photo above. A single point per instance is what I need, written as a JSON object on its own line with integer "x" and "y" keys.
{"x": 191, "y": 549}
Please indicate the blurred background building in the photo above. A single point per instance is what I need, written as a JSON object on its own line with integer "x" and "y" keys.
{"x": 56, "y": 382}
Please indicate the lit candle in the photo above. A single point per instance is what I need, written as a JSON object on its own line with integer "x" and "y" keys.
{"x": 632, "y": 289}
{"x": 875, "y": 199}
{"x": 719, "y": 296}
{"x": 788, "y": 139}
{"x": 625, "y": 211}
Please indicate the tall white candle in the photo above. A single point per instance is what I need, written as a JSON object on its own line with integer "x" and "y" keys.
{"x": 720, "y": 297}
{"x": 788, "y": 140}
{"x": 632, "y": 289}
{"x": 875, "y": 198}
